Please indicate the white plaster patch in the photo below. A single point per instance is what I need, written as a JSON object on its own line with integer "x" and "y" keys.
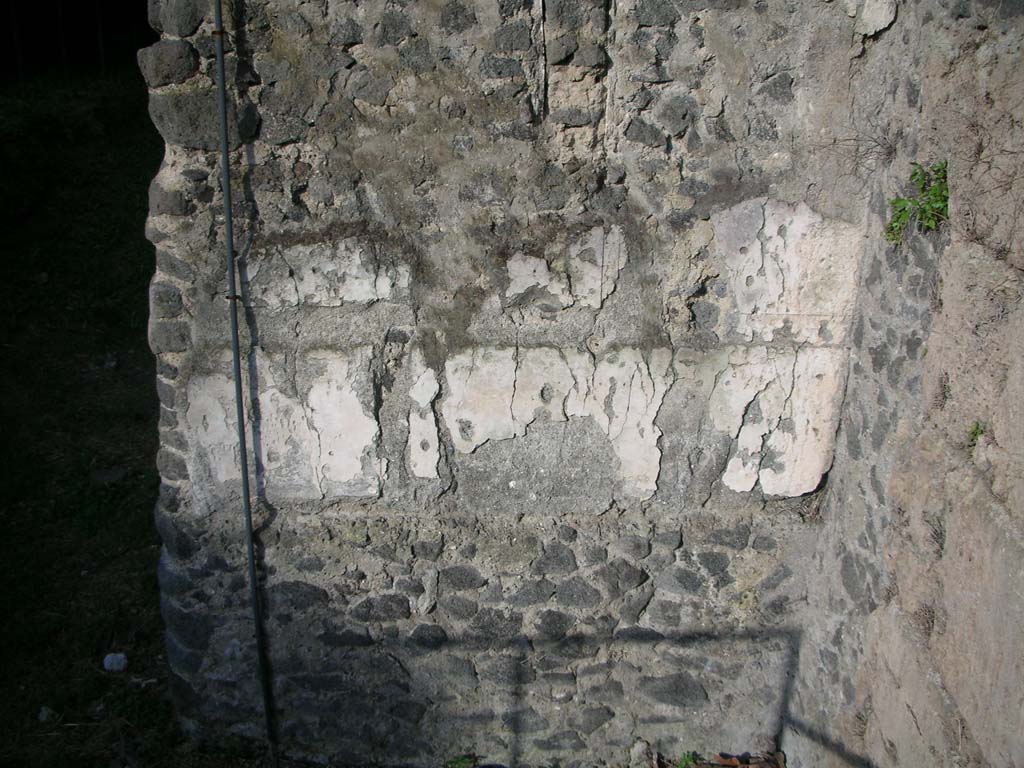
{"x": 326, "y": 275}
{"x": 806, "y": 448}
{"x": 497, "y": 393}
{"x": 781, "y": 409}
{"x": 542, "y": 385}
{"x": 347, "y": 462}
{"x": 210, "y": 423}
{"x": 319, "y": 444}
{"x": 627, "y": 394}
{"x": 790, "y": 273}
{"x": 595, "y": 261}
{"x": 288, "y": 447}
{"x": 424, "y": 443}
{"x": 424, "y": 446}
{"x": 875, "y": 16}
{"x": 526, "y": 272}
{"x": 478, "y": 404}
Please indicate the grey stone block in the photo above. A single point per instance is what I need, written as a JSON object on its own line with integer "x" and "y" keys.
{"x": 382, "y": 608}
{"x": 678, "y": 690}
{"x": 168, "y": 61}
{"x": 179, "y": 18}
{"x": 557, "y": 559}
{"x": 461, "y": 577}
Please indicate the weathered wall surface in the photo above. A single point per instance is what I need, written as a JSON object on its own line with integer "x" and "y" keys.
{"x": 554, "y": 312}
{"x": 913, "y": 637}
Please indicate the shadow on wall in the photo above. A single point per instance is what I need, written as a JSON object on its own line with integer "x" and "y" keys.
{"x": 403, "y": 700}
{"x": 393, "y": 701}
{"x": 400, "y": 700}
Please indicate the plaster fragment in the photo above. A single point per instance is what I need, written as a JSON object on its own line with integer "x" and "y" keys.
{"x": 526, "y": 272}
{"x": 478, "y": 403}
{"x": 326, "y": 275}
{"x": 424, "y": 443}
{"x": 787, "y": 270}
{"x": 594, "y": 265}
{"x": 496, "y": 393}
{"x": 319, "y": 442}
{"x": 875, "y": 16}
{"x": 781, "y": 408}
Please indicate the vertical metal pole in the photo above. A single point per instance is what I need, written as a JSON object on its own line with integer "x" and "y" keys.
{"x": 236, "y": 363}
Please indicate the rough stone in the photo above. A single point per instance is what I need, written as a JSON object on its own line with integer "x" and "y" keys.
{"x": 461, "y": 577}
{"x": 428, "y": 635}
{"x": 557, "y": 559}
{"x": 577, "y": 593}
{"x": 734, "y": 538}
{"x": 496, "y": 624}
{"x": 677, "y": 690}
{"x": 299, "y": 595}
{"x": 553, "y": 625}
{"x": 534, "y": 592}
{"x": 428, "y": 550}
{"x": 383, "y": 608}
{"x": 575, "y": 354}
{"x": 184, "y": 118}
{"x": 179, "y": 18}
{"x": 461, "y": 608}
{"x": 168, "y": 61}
{"x": 563, "y": 741}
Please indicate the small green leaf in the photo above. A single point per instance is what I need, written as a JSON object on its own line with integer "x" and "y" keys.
{"x": 929, "y": 208}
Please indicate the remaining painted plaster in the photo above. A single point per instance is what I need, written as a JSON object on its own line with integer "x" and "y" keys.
{"x": 791, "y": 275}
{"x": 319, "y": 444}
{"x": 591, "y": 270}
{"x": 325, "y": 275}
{"x": 781, "y": 408}
{"x": 496, "y": 393}
{"x": 594, "y": 265}
{"x": 424, "y": 445}
{"x": 532, "y": 272}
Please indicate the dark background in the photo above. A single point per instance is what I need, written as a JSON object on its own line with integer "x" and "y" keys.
{"x": 57, "y": 37}
{"x": 78, "y": 408}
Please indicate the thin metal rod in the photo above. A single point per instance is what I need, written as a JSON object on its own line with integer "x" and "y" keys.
{"x": 236, "y": 364}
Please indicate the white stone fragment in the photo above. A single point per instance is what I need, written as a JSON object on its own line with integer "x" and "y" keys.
{"x": 781, "y": 408}
{"x": 478, "y": 404}
{"x": 628, "y": 392}
{"x": 424, "y": 443}
{"x": 595, "y": 261}
{"x": 496, "y": 393}
{"x": 526, "y": 272}
{"x": 424, "y": 446}
{"x": 542, "y": 384}
{"x": 805, "y": 450}
{"x": 210, "y": 420}
{"x": 789, "y": 271}
{"x": 320, "y": 442}
{"x": 326, "y": 275}
{"x": 426, "y": 386}
{"x": 875, "y": 16}
{"x": 346, "y": 433}
{"x": 288, "y": 446}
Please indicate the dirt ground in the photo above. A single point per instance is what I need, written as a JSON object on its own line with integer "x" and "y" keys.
{"x": 79, "y": 550}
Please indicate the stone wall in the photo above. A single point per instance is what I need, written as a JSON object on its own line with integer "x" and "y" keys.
{"x": 553, "y": 314}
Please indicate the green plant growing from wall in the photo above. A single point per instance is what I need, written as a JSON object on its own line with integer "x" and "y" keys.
{"x": 687, "y": 761}
{"x": 928, "y": 209}
{"x": 974, "y": 434}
